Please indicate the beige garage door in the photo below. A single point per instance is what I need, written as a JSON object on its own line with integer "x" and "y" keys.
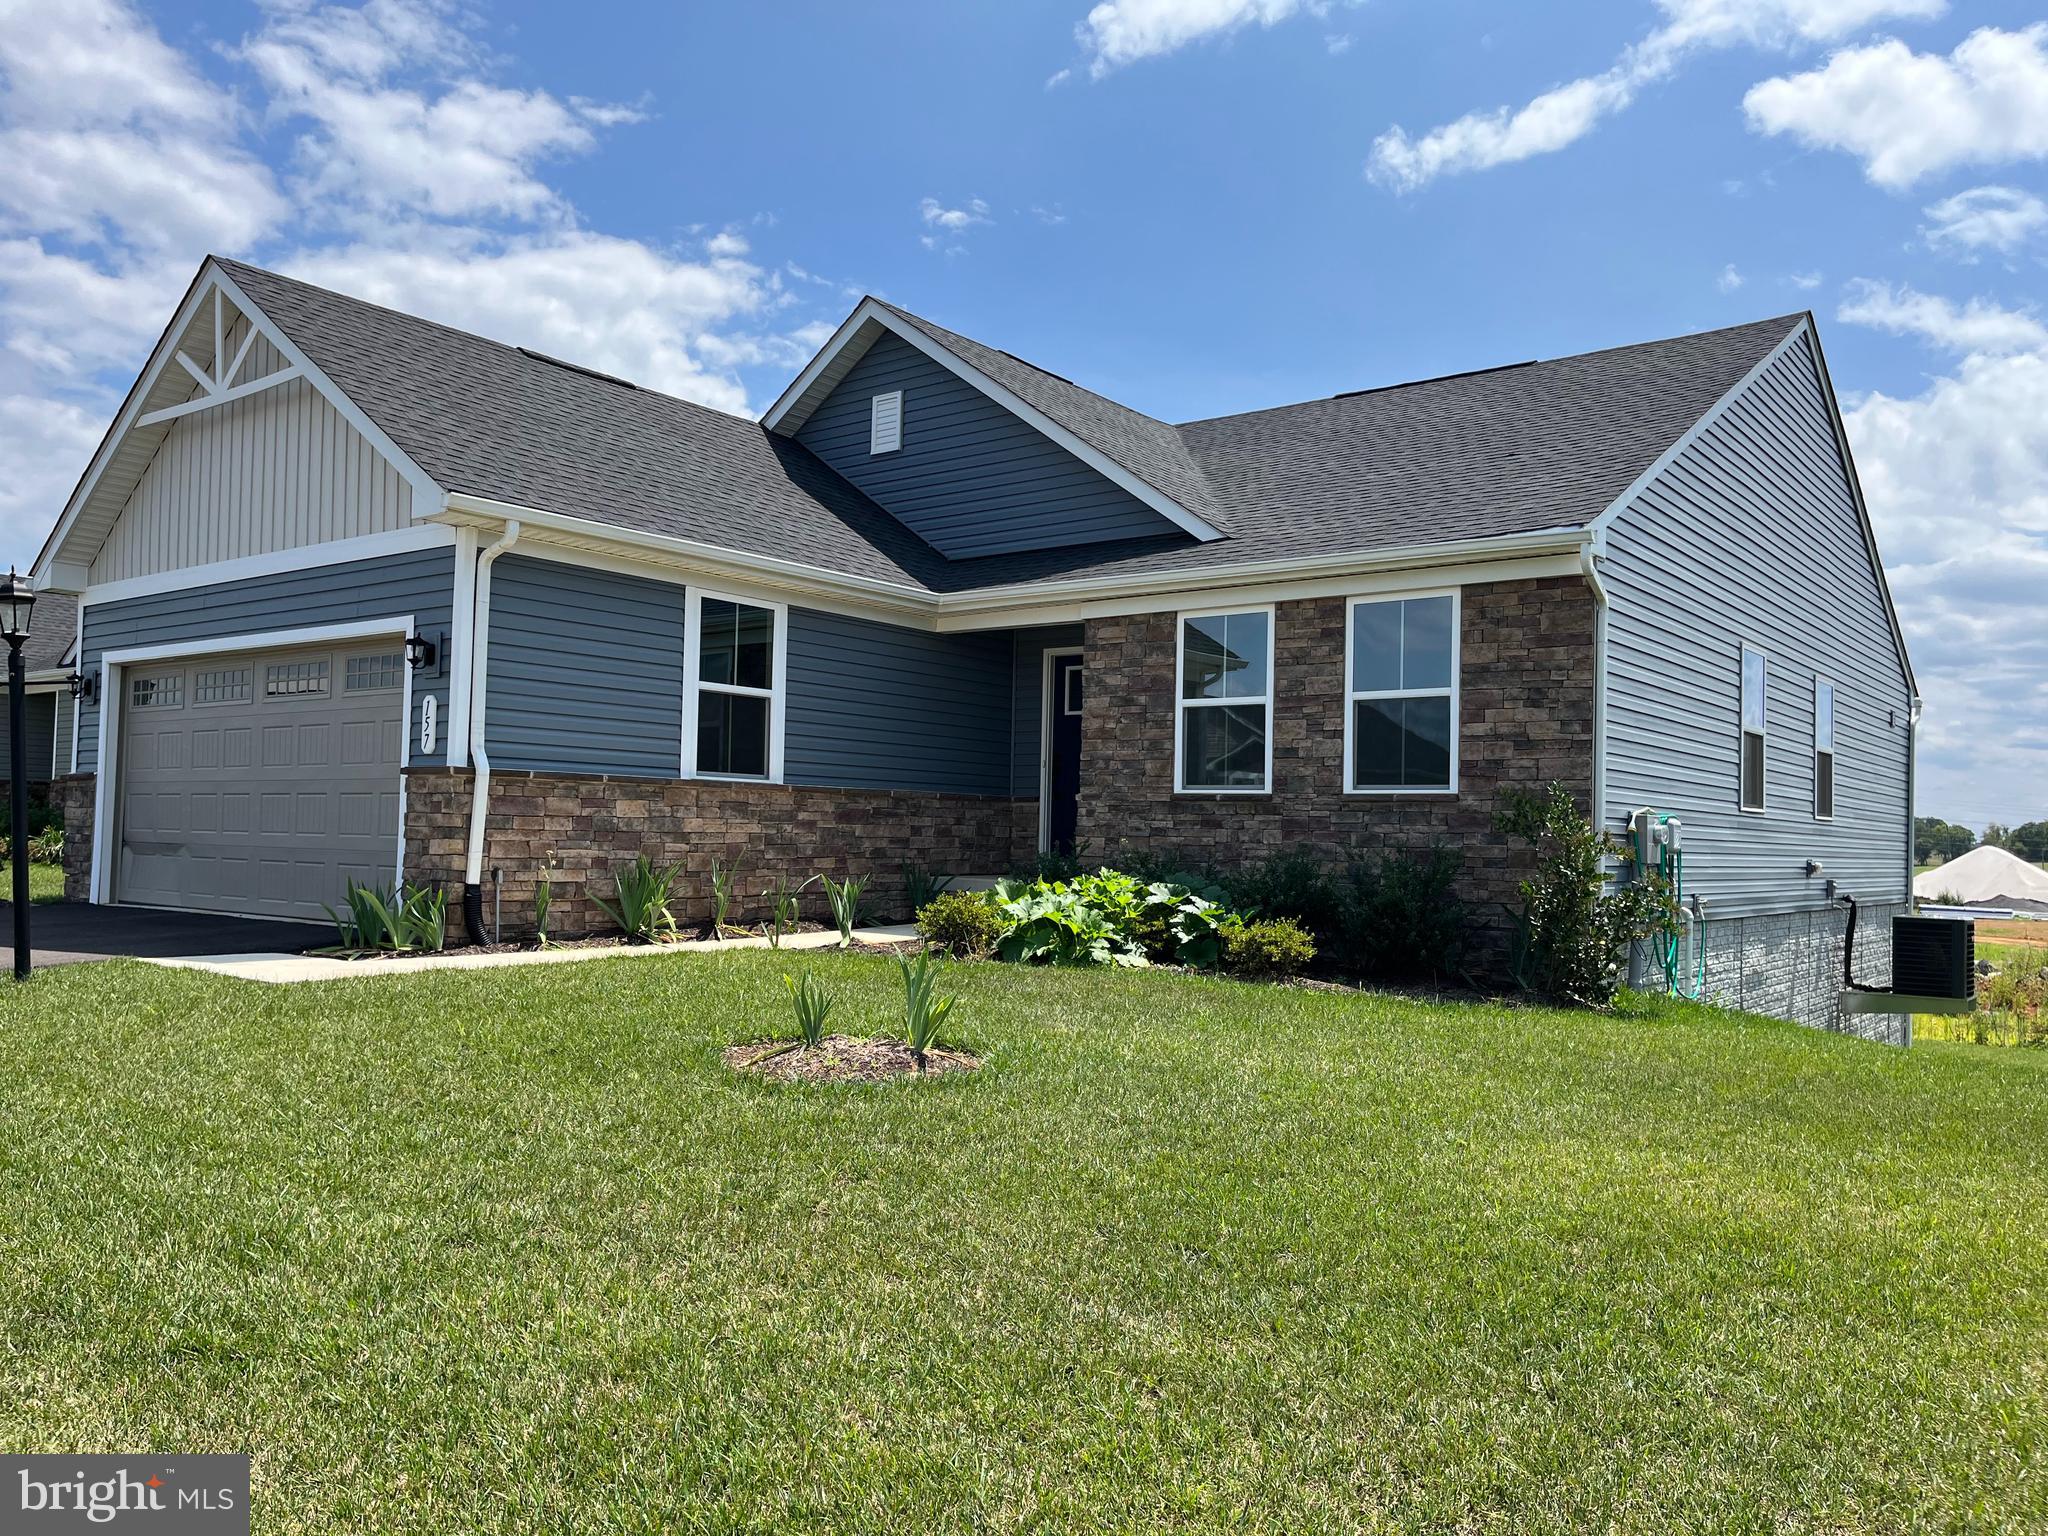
{"x": 260, "y": 783}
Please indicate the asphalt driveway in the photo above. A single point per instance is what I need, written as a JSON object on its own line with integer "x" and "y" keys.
{"x": 71, "y": 932}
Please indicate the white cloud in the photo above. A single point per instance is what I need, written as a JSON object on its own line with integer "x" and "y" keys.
{"x": 63, "y": 435}
{"x": 2001, "y": 219}
{"x": 1729, "y": 280}
{"x": 1806, "y": 282}
{"x": 1120, "y": 32}
{"x": 1567, "y": 113}
{"x": 1978, "y": 326}
{"x": 1338, "y": 44}
{"x": 939, "y": 216}
{"x": 1908, "y": 115}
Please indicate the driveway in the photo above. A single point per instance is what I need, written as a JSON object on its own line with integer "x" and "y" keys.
{"x": 69, "y": 932}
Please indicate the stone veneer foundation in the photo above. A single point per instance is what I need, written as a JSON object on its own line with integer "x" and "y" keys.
{"x": 1527, "y": 666}
{"x": 72, "y": 795}
{"x": 589, "y": 825}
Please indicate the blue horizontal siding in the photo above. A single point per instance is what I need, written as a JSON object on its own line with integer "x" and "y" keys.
{"x": 586, "y": 670}
{"x": 971, "y": 478}
{"x": 877, "y": 706}
{"x": 421, "y": 584}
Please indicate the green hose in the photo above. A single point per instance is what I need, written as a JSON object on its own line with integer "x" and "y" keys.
{"x": 1672, "y": 866}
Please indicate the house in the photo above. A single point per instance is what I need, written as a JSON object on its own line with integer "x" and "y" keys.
{"x": 361, "y": 595}
{"x": 46, "y": 657}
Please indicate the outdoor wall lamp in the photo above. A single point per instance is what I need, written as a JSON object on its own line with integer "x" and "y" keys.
{"x": 419, "y": 650}
{"x": 84, "y": 685}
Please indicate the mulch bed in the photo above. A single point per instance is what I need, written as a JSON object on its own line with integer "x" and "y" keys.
{"x": 843, "y": 1059}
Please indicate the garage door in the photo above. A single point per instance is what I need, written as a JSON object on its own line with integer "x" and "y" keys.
{"x": 260, "y": 783}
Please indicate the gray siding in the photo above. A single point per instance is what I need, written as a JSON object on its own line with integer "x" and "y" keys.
{"x": 67, "y": 711}
{"x": 586, "y": 670}
{"x": 970, "y": 478}
{"x": 1027, "y": 699}
{"x": 1751, "y": 535}
{"x": 40, "y": 736}
{"x": 421, "y": 584}
{"x": 875, "y": 706}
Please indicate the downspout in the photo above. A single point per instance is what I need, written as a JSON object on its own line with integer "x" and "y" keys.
{"x": 1913, "y": 708}
{"x": 479, "y": 755}
{"x": 1589, "y": 564}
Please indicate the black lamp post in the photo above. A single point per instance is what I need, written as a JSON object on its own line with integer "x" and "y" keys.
{"x": 17, "y": 601}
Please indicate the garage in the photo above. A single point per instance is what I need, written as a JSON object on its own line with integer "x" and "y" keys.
{"x": 260, "y": 783}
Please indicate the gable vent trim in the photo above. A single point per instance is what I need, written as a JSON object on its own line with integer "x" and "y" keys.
{"x": 885, "y": 422}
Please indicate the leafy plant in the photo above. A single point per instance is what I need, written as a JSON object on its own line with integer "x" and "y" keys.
{"x": 1053, "y": 866}
{"x": 1573, "y": 936}
{"x": 47, "y": 846}
{"x": 1274, "y": 946}
{"x": 843, "y": 897}
{"x": 1054, "y": 924}
{"x": 812, "y": 1007}
{"x": 783, "y": 911}
{"x": 724, "y": 880}
{"x": 1403, "y": 918}
{"x": 543, "y": 898}
{"x": 925, "y": 1008}
{"x": 1294, "y": 884}
{"x": 645, "y": 892}
{"x": 921, "y": 885}
{"x": 963, "y": 923}
{"x": 379, "y": 918}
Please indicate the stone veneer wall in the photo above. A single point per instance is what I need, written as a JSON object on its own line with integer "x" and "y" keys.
{"x": 591, "y": 824}
{"x": 1527, "y": 665}
{"x": 72, "y": 794}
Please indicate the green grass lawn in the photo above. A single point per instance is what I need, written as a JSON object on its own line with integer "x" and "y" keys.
{"x": 45, "y": 882}
{"x": 509, "y": 1251}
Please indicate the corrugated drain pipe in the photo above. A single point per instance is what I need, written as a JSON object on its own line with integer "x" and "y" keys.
{"x": 479, "y": 754}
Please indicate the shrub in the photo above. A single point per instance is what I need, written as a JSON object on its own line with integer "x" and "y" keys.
{"x": 921, "y": 886}
{"x": 812, "y": 1007}
{"x": 925, "y": 1010}
{"x": 1573, "y": 935}
{"x": 1054, "y": 866}
{"x": 1296, "y": 885}
{"x": 645, "y": 890}
{"x": 844, "y": 899}
{"x": 47, "y": 846}
{"x": 1108, "y": 918}
{"x": 378, "y": 918}
{"x": 1402, "y": 918}
{"x": 963, "y": 923}
{"x": 1274, "y": 946}
{"x": 1052, "y": 923}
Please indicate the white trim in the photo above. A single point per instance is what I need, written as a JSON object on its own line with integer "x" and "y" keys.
{"x": 867, "y": 311}
{"x": 1182, "y": 705}
{"x": 885, "y": 422}
{"x": 776, "y": 693}
{"x": 1820, "y": 683}
{"x": 106, "y": 767}
{"x": 368, "y": 546}
{"x": 1744, "y": 650}
{"x": 207, "y": 402}
{"x": 1045, "y": 717}
{"x": 1353, "y": 694}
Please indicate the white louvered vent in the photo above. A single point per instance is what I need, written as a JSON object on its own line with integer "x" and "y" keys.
{"x": 885, "y": 422}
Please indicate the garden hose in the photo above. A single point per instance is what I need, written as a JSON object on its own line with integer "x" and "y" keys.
{"x": 1672, "y": 947}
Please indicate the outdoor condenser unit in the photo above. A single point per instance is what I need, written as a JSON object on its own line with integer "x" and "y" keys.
{"x": 1934, "y": 968}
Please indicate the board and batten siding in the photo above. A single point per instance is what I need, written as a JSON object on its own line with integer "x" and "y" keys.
{"x": 970, "y": 478}
{"x": 1751, "y": 537}
{"x": 279, "y": 469}
{"x": 420, "y": 584}
{"x": 1027, "y": 698}
{"x": 586, "y": 670}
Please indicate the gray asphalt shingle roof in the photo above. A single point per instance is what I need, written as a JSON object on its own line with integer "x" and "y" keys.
{"x": 1514, "y": 450}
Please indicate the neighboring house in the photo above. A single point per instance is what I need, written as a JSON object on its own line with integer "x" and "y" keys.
{"x": 940, "y": 605}
{"x": 46, "y": 657}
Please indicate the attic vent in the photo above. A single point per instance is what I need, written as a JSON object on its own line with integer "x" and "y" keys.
{"x": 885, "y": 422}
{"x": 588, "y": 373}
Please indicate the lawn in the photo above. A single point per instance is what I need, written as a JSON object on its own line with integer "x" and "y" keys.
{"x": 509, "y": 1251}
{"x": 45, "y": 883}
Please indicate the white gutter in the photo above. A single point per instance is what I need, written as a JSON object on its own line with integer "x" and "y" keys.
{"x": 480, "y": 790}
{"x": 1589, "y": 562}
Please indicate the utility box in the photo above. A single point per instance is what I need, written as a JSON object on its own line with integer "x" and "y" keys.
{"x": 1934, "y": 957}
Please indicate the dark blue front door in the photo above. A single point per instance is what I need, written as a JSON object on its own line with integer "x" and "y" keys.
{"x": 1066, "y": 753}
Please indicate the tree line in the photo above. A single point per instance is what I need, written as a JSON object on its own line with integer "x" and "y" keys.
{"x": 1932, "y": 835}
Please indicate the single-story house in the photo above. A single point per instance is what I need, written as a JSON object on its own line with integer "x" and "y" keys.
{"x": 362, "y": 595}
{"x": 46, "y": 658}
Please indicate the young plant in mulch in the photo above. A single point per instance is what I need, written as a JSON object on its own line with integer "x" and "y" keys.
{"x": 543, "y": 899}
{"x": 817, "y": 1057}
{"x": 784, "y": 916}
{"x": 843, "y": 896}
{"x": 724, "y": 881}
{"x": 645, "y": 892}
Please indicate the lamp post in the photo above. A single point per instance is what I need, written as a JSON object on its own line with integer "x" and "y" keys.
{"x": 17, "y": 601}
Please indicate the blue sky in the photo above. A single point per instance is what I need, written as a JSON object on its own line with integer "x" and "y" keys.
{"x": 1197, "y": 206}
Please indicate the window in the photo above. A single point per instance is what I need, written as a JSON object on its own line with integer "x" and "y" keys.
{"x": 1401, "y": 734}
{"x": 227, "y": 685}
{"x": 885, "y": 422}
{"x": 1754, "y": 678}
{"x": 1070, "y": 690}
{"x": 1222, "y": 741}
{"x": 286, "y": 679}
{"x": 367, "y": 673}
{"x": 1823, "y": 749}
{"x": 733, "y": 723}
{"x": 163, "y": 692}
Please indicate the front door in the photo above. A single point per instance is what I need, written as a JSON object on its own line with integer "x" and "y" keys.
{"x": 1063, "y": 710}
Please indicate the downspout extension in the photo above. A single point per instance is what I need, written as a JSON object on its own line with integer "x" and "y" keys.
{"x": 479, "y": 754}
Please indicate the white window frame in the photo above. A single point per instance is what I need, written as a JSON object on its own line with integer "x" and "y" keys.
{"x": 1354, "y": 695}
{"x": 776, "y": 693}
{"x": 1762, "y": 733}
{"x": 1821, "y": 684}
{"x": 885, "y": 422}
{"x": 1181, "y": 706}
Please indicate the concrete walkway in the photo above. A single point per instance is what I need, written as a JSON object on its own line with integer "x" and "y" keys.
{"x": 285, "y": 969}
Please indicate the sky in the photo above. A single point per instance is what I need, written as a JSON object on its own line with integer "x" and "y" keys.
{"x": 1194, "y": 206}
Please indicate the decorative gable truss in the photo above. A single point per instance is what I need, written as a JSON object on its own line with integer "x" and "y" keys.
{"x": 217, "y": 376}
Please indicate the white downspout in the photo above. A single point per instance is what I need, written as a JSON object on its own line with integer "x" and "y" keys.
{"x": 1589, "y": 563}
{"x": 479, "y": 754}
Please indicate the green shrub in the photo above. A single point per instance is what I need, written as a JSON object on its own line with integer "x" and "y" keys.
{"x": 1403, "y": 919}
{"x": 1274, "y": 946}
{"x": 47, "y": 846}
{"x": 1295, "y": 884}
{"x": 925, "y": 1009}
{"x": 962, "y": 923}
{"x": 811, "y": 1006}
{"x": 1049, "y": 922}
{"x": 922, "y": 886}
{"x": 844, "y": 898}
{"x": 1573, "y": 935}
{"x": 645, "y": 890}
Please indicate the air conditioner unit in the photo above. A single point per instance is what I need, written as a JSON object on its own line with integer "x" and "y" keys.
{"x": 1934, "y": 957}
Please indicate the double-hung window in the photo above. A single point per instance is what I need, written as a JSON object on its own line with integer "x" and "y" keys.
{"x": 1401, "y": 727}
{"x": 1755, "y": 678}
{"x": 1823, "y": 749}
{"x": 1223, "y": 736}
{"x": 733, "y": 660}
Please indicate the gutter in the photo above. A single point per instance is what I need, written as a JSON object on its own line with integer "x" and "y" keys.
{"x": 479, "y": 754}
